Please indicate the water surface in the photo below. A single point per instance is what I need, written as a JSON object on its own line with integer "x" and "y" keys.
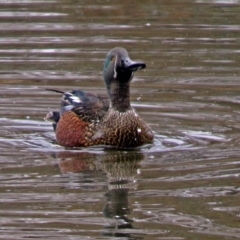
{"x": 186, "y": 185}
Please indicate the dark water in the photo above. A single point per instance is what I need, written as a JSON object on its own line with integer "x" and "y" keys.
{"x": 187, "y": 185}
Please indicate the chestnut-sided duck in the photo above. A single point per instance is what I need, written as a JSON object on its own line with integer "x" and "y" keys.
{"x": 89, "y": 119}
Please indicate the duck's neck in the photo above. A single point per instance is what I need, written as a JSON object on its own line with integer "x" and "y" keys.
{"x": 119, "y": 95}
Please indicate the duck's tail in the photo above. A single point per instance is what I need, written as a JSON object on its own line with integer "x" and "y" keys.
{"x": 54, "y": 90}
{"x": 53, "y": 117}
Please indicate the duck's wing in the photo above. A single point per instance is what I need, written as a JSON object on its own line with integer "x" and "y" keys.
{"x": 88, "y": 106}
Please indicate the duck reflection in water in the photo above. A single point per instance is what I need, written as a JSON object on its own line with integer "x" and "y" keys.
{"x": 120, "y": 168}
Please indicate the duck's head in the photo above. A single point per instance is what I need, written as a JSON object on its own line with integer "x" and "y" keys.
{"x": 119, "y": 68}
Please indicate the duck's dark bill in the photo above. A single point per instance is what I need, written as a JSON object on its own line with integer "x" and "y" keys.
{"x": 128, "y": 64}
{"x": 134, "y": 66}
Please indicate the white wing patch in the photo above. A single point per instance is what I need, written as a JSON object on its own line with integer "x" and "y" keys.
{"x": 75, "y": 99}
{"x": 71, "y": 98}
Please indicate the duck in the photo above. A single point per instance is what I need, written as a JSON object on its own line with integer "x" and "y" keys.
{"x": 90, "y": 119}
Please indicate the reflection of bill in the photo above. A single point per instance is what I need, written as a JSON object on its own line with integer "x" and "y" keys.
{"x": 117, "y": 208}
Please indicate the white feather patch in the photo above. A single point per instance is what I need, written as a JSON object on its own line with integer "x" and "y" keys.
{"x": 75, "y": 99}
